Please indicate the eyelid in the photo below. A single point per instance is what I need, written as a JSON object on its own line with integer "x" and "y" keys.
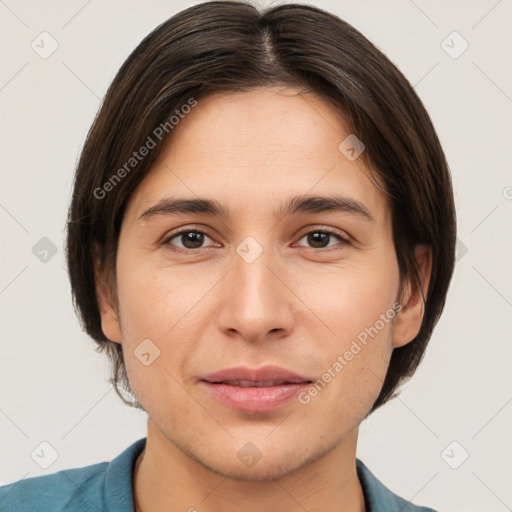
{"x": 329, "y": 229}
{"x": 344, "y": 237}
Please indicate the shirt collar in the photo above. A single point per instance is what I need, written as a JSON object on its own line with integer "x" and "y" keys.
{"x": 119, "y": 496}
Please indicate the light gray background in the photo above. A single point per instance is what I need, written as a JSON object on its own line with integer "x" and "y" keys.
{"x": 54, "y": 385}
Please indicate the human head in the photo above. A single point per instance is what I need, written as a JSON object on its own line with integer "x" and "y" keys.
{"x": 231, "y": 47}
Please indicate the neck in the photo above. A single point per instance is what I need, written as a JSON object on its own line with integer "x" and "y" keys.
{"x": 167, "y": 479}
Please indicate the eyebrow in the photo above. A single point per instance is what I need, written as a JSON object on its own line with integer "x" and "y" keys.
{"x": 297, "y": 204}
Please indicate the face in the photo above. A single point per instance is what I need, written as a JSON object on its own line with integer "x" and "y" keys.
{"x": 312, "y": 290}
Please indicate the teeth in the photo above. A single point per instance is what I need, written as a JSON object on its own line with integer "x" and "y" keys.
{"x": 250, "y": 383}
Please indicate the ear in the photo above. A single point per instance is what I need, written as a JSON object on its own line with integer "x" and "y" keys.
{"x": 409, "y": 318}
{"x": 110, "y": 323}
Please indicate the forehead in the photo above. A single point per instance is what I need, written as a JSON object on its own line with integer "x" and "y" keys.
{"x": 260, "y": 124}
{"x": 257, "y": 146}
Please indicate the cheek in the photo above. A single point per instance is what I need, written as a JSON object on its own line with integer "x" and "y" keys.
{"x": 164, "y": 306}
{"x": 352, "y": 299}
{"x": 358, "y": 306}
{"x": 351, "y": 376}
{"x": 155, "y": 301}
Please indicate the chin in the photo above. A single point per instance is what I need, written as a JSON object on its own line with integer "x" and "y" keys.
{"x": 273, "y": 462}
{"x": 262, "y": 471}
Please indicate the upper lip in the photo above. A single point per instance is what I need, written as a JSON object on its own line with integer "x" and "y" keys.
{"x": 263, "y": 374}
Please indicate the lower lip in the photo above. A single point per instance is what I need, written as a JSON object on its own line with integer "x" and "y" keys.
{"x": 255, "y": 399}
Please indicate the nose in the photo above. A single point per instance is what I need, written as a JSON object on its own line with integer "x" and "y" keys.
{"x": 257, "y": 302}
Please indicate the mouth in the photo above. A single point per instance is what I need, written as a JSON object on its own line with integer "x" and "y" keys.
{"x": 258, "y": 384}
{"x": 254, "y": 390}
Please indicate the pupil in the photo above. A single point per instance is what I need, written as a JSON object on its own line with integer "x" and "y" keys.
{"x": 192, "y": 240}
{"x": 318, "y": 239}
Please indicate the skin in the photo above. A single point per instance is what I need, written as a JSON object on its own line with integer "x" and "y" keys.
{"x": 298, "y": 305}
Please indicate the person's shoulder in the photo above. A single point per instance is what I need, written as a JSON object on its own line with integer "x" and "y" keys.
{"x": 69, "y": 489}
{"x": 381, "y": 499}
{"x": 105, "y": 486}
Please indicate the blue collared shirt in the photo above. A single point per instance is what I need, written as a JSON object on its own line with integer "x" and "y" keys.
{"x": 107, "y": 487}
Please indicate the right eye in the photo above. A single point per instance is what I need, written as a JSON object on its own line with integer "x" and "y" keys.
{"x": 190, "y": 239}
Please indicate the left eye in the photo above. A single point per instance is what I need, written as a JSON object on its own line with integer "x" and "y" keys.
{"x": 320, "y": 239}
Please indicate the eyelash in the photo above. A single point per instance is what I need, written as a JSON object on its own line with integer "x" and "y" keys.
{"x": 167, "y": 240}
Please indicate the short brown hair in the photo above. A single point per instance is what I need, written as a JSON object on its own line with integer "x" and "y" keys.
{"x": 233, "y": 46}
